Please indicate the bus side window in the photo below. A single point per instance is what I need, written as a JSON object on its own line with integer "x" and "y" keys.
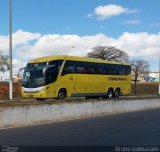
{"x": 102, "y": 69}
{"x": 112, "y": 69}
{"x": 122, "y": 71}
{"x": 69, "y": 67}
{"x": 109, "y": 69}
{"x": 119, "y": 69}
{"x": 81, "y": 67}
{"x": 57, "y": 63}
{"x": 92, "y": 68}
{"x": 127, "y": 69}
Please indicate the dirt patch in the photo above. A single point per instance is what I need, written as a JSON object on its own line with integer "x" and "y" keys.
{"x": 146, "y": 88}
{"x": 4, "y": 90}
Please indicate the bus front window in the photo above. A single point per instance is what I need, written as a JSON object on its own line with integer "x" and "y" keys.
{"x": 40, "y": 74}
{"x": 33, "y": 75}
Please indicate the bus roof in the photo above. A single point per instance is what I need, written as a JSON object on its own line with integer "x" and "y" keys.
{"x": 74, "y": 58}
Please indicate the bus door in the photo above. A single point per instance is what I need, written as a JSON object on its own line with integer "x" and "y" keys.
{"x": 68, "y": 77}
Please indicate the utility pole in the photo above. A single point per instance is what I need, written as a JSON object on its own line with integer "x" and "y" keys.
{"x": 10, "y": 51}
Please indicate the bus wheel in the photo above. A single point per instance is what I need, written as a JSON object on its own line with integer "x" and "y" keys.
{"x": 117, "y": 93}
{"x": 62, "y": 94}
{"x": 110, "y": 93}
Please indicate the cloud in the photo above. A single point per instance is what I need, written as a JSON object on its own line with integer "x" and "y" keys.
{"x": 56, "y": 44}
{"x": 130, "y": 11}
{"x": 104, "y": 12}
{"x": 133, "y": 22}
{"x": 20, "y": 37}
{"x": 155, "y": 24}
{"x": 140, "y": 44}
{"x": 107, "y": 11}
{"x": 135, "y": 44}
{"x": 90, "y": 15}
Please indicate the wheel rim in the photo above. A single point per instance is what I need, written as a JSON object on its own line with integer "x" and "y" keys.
{"x": 61, "y": 94}
{"x": 117, "y": 94}
{"x": 110, "y": 94}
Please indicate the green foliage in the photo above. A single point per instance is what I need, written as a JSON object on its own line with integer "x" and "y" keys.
{"x": 4, "y": 63}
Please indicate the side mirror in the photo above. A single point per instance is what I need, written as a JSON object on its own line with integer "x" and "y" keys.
{"x": 47, "y": 67}
{"x": 18, "y": 73}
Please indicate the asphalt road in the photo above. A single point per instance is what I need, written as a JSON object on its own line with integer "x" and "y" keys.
{"x": 136, "y": 128}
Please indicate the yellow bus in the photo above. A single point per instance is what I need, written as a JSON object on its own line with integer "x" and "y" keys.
{"x": 68, "y": 76}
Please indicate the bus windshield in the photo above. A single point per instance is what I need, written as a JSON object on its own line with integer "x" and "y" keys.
{"x": 33, "y": 75}
{"x": 40, "y": 74}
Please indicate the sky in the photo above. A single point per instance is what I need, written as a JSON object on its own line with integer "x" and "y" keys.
{"x": 74, "y": 27}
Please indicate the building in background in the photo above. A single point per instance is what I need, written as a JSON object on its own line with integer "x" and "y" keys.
{"x": 152, "y": 77}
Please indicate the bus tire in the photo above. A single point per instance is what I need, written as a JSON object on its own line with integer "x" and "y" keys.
{"x": 117, "y": 93}
{"x": 62, "y": 94}
{"x": 110, "y": 93}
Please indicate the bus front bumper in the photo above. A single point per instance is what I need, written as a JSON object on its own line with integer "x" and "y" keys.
{"x": 40, "y": 92}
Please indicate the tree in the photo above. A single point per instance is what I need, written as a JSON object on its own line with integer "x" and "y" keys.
{"x": 4, "y": 63}
{"x": 139, "y": 68}
{"x": 109, "y": 53}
